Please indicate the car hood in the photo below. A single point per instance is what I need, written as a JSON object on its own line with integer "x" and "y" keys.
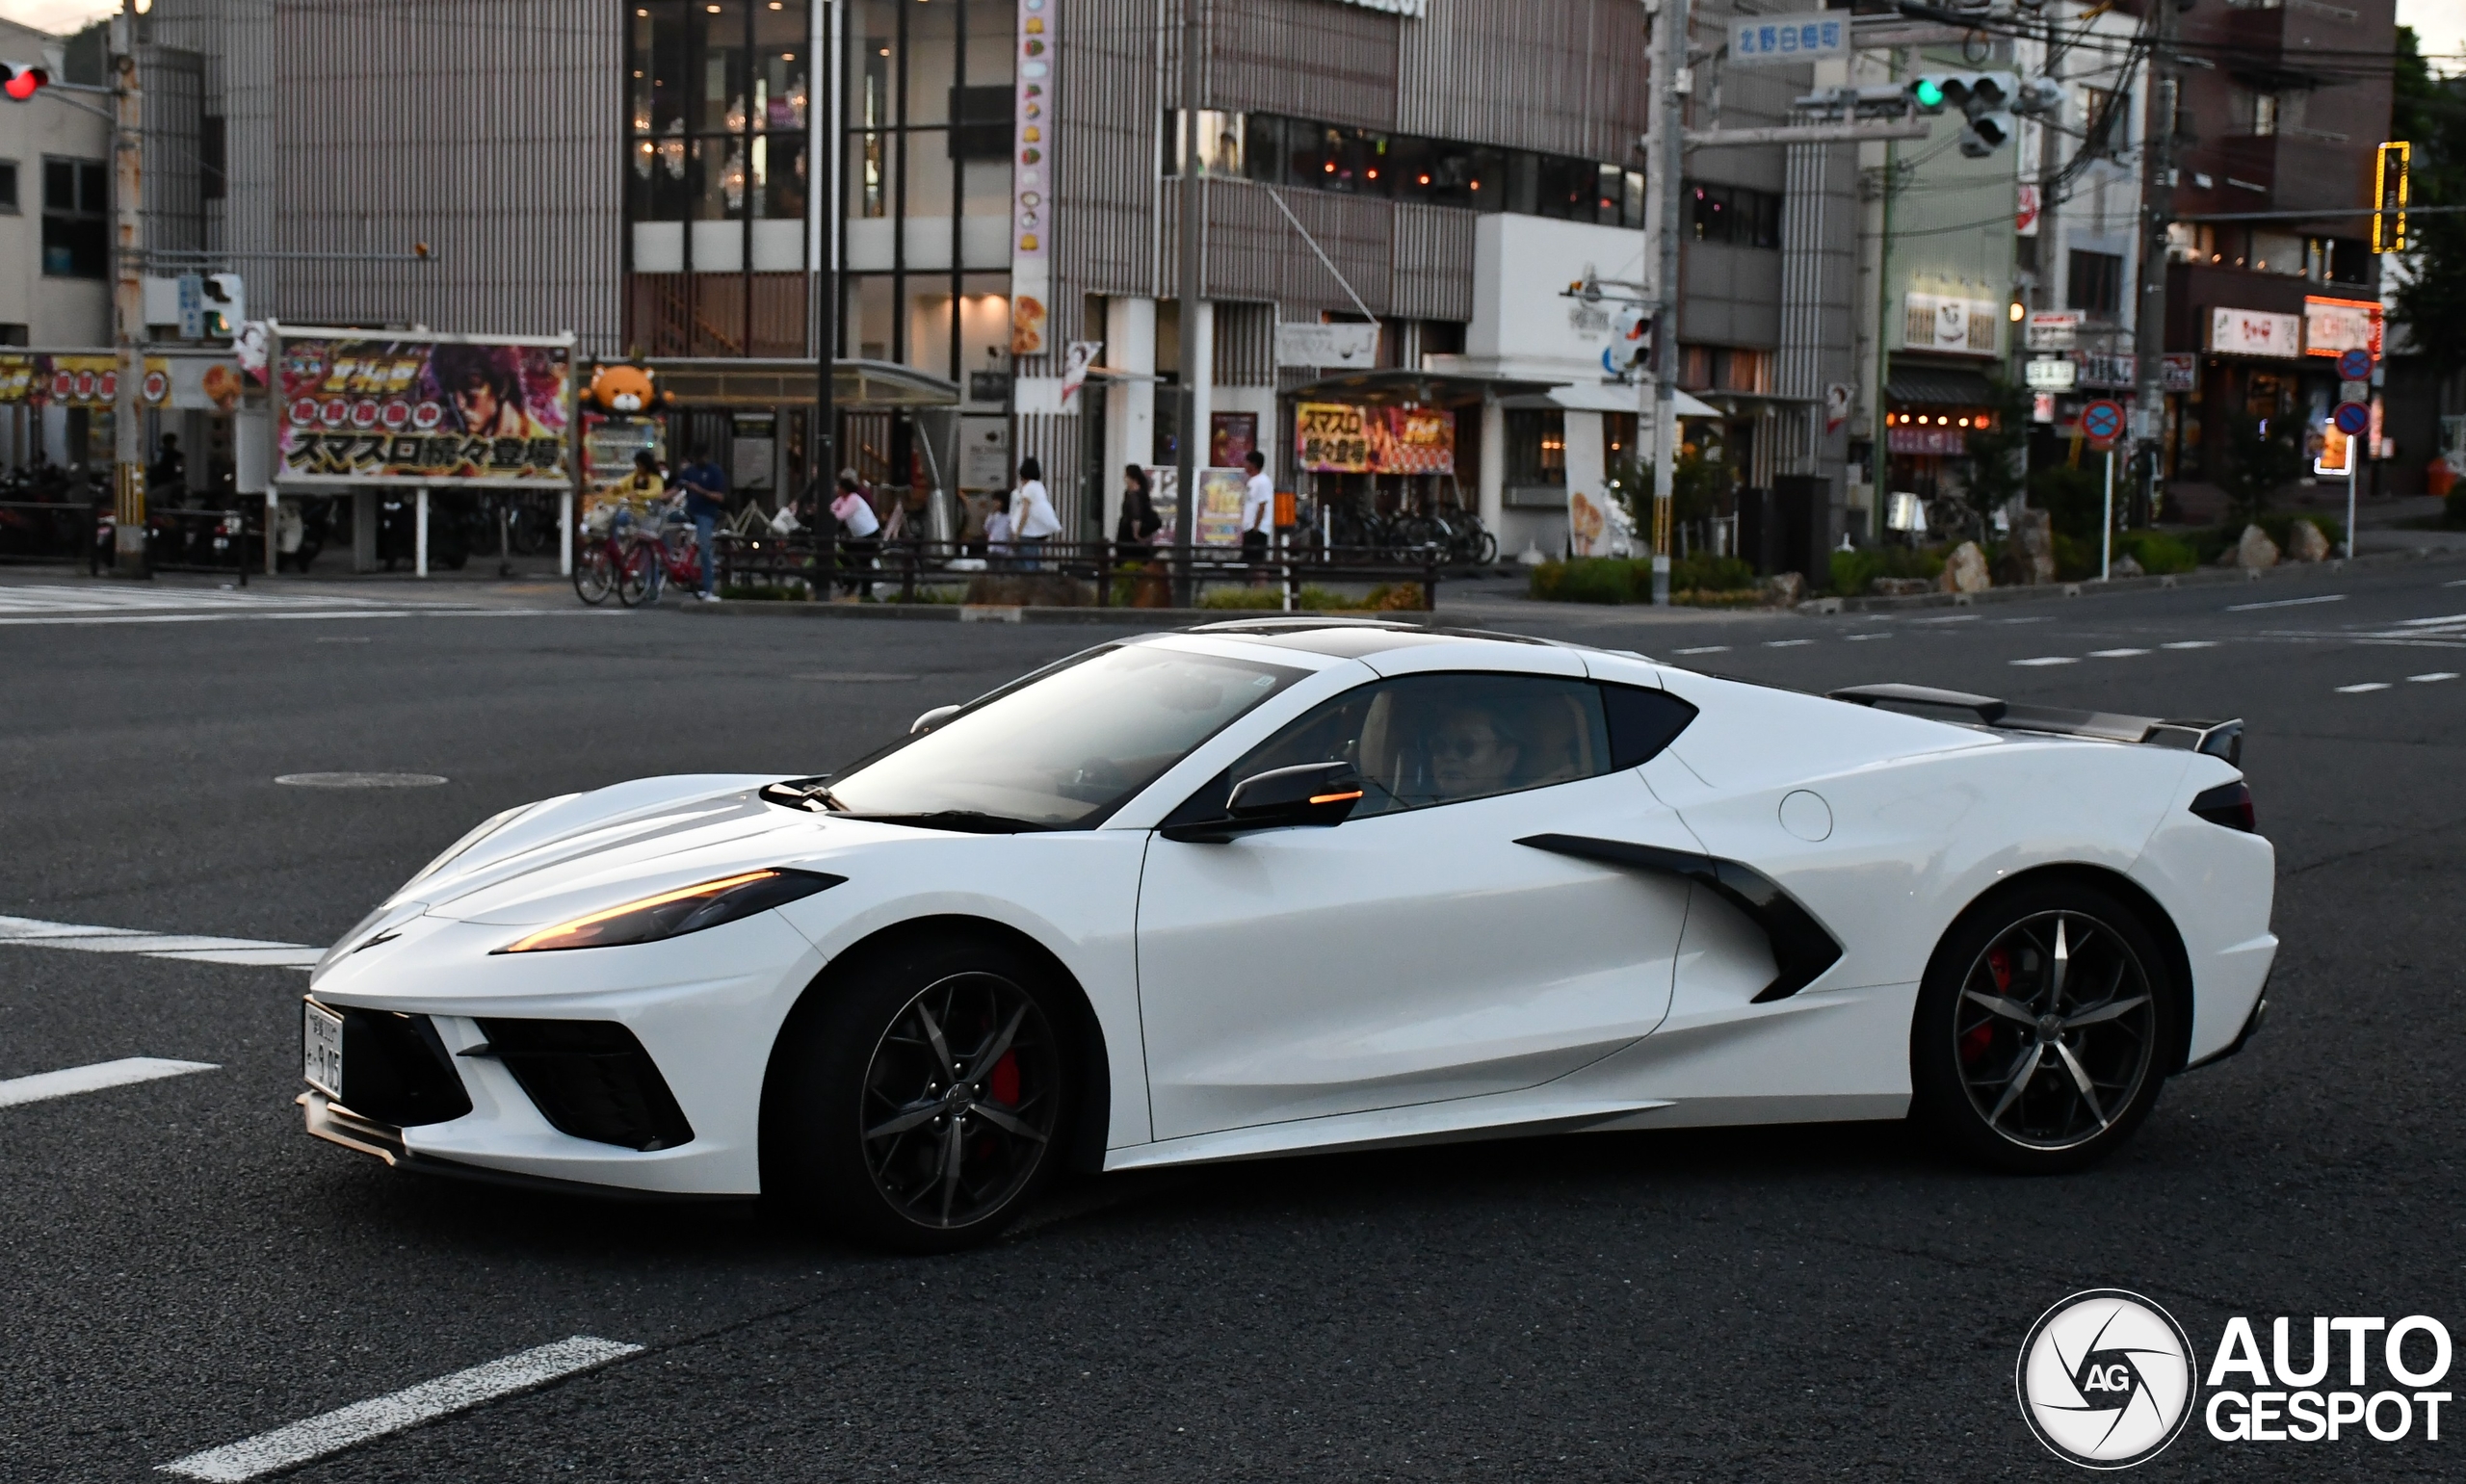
{"x": 585, "y": 851}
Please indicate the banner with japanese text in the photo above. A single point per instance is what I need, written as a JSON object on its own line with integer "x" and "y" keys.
{"x": 426, "y": 410}
{"x": 1340, "y": 438}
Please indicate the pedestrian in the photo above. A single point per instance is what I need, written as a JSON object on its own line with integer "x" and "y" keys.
{"x": 1258, "y": 508}
{"x": 706, "y": 499}
{"x": 858, "y": 528}
{"x": 166, "y": 478}
{"x": 1032, "y": 522}
{"x": 1135, "y": 533}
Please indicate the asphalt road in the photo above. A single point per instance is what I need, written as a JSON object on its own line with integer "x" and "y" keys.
{"x": 185, "y": 1269}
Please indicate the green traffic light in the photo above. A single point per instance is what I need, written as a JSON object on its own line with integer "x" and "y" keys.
{"x": 1929, "y": 92}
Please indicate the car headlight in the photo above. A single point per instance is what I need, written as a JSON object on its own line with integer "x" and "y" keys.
{"x": 673, "y": 914}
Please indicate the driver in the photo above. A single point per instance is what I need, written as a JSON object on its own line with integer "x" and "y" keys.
{"x": 1470, "y": 755}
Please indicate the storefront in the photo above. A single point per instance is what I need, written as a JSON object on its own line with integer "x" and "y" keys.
{"x": 1930, "y": 408}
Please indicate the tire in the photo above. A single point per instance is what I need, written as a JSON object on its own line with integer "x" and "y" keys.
{"x": 862, "y": 1117}
{"x": 635, "y": 574}
{"x": 595, "y": 574}
{"x": 2035, "y": 1061}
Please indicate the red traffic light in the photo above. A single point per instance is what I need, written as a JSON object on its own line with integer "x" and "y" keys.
{"x": 20, "y": 81}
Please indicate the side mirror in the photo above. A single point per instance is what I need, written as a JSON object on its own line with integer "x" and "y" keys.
{"x": 1312, "y": 793}
{"x": 932, "y": 719}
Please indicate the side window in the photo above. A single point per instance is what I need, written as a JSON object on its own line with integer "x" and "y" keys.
{"x": 1425, "y": 740}
{"x": 1642, "y": 722}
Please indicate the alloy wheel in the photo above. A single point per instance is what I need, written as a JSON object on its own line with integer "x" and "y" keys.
{"x": 960, "y": 1100}
{"x": 2055, "y": 1030}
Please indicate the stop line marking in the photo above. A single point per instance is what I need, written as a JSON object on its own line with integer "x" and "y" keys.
{"x": 286, "y": 1447}
{"x": 44, "y": 1086}
{"x": 197, "y": 948}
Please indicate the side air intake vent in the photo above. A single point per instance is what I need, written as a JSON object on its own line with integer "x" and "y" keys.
{"x": 591, "y": 1078}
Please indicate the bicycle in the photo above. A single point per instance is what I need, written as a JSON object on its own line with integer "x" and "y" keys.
{"x": 652, "y": 556}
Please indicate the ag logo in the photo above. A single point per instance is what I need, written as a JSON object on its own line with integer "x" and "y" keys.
{"x": 2106, "y": 1379}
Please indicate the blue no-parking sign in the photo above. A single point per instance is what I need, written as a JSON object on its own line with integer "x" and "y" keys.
{"x": 2352, "y": 418}
{"x": 2102, "y": 420}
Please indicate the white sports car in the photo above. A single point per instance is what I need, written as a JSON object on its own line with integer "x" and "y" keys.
{"x": 1281, "y": 885}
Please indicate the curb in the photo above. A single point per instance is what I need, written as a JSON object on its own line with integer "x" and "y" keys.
{"x": 975, "y": 612}
{"x": 2203, "y": 577}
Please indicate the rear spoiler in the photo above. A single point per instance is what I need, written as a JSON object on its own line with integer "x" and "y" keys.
{"x": 2218, "y": 739}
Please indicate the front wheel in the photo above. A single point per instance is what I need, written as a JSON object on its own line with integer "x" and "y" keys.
{"x": 921, "y": 1103}
{"x": 595, "y": 574}
{"x": 638, "y": 577}
{"x": 2043, "y": 1028}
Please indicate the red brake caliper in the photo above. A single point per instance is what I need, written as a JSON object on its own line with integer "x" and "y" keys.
{"x": 1978, "y": 1037}
{"x": 1003, "y": 1083}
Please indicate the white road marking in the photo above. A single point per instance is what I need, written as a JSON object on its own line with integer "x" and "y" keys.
{"x": 2445, "y": 620}
{"x": 2049, "y": 660}
{"x": 2427, "y": 679}
{"x": 1703, "y": 649}
{"x": 2326, "y": 597}
{"x": 286, "y": 1447}
{"x": 1786, "y": 644}
{"x": 1856, "y": 638}
{"x": 365, "y": 613}
{"x": 2460, "y": 583}
{"x": 2192, "y": 643}
{"x": 2116, "y": 653}
{"x": 2369, "y": 685}
{"x": 1951, "y": 618}
{"x": 30, "y": 932}
{"x": 97, "y": 598}
{"x": 43, "y": 1086}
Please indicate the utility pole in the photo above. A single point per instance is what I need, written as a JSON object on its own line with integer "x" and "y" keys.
{"x": 128, "y": 303}
{"x": 2156, "y": 214}
{"x": 822, "y": 129}
{"x": 1672, "y": 84}
{"x": 1186, "y": 400}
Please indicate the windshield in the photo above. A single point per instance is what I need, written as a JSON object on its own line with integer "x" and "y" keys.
{"x": 1066, "y": 749}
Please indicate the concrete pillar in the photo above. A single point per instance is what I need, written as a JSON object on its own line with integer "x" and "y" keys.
{"x": 1130, "y": 407}
{"x": 1203, "y": 400}
{"x": 1490, "y": 480}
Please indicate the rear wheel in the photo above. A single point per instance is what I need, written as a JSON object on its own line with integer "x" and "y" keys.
{"x": 2042, "y": 1029}
{"x": 922, "y": 1102}
{"x": 636, "y": 576}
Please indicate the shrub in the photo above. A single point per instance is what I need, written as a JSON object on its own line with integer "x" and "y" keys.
{"x": 1703, "y": 573}
{"x": 2076, "y": 499}
{"x": 2156, "y": 553}
{"x": 1592, "y": 580}
{"x": 2252, "y": 465}
{"x": 1854, "y": 572}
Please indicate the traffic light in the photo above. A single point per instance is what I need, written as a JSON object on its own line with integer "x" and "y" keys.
{"x": 2388, "y": 204}
{"x": 21, "y": 82}
{"x": 227, "y": 305}
{"x": 1985, "y": 99}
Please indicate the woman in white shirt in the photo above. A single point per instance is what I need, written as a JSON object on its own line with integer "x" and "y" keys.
{"x": 1032, "y": 522}
{"x": 858, "y": 528}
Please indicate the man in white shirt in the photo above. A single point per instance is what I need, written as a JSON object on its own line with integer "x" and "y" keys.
{"x": 1258, "y": 508}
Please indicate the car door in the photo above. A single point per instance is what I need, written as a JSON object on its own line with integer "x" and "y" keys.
{"x": 1416, "y": 951}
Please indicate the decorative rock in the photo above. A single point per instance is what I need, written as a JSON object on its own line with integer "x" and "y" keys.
{"x": 2256, "y": 549}
{"x": 2306, "y": 543}
{"x": 1784, "y": 590}
{"x": 2125, "y": 565}
{"x": 2029, "y": 552}
{"x": 1965, "y": 570}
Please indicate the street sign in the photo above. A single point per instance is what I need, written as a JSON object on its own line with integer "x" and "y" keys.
{"x": 2102, "y": 420}
{"x": 2050, "y": 375}
{"x": 2352, "y": 418}
{"x": 192, "y": 306}
{"x": 1780, "y": 40}
{"x": 2355, "y": 365}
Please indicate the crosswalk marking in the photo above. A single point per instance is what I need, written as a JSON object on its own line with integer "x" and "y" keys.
{"x": 2116, "y": 653}
{"x": 45, "y": 1085}
{"x": 2047, "y": 660}
{"x": 286, "y": 1447}
{"x": 54, "y": 598}
{"x": 2369, "y": 685}
{"x": 32, "y": 932}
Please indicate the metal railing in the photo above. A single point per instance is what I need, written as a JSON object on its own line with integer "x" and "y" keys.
{"x": 1121, "y": 576}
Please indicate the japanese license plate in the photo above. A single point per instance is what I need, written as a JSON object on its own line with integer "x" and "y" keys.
{"x": 321, "y": 1049}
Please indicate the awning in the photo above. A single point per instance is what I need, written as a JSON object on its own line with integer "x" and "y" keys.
{"x": 740, "y": 381}
{"x": 1612, "y": 397}
{"x": 1937, "y": 387}
{"x": 1401, "y": 388}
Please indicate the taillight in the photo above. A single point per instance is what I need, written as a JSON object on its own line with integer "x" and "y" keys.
{"x": 2229, "y": 804}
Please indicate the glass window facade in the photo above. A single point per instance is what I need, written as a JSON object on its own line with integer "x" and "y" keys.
{"x": 1276, "y": 149}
